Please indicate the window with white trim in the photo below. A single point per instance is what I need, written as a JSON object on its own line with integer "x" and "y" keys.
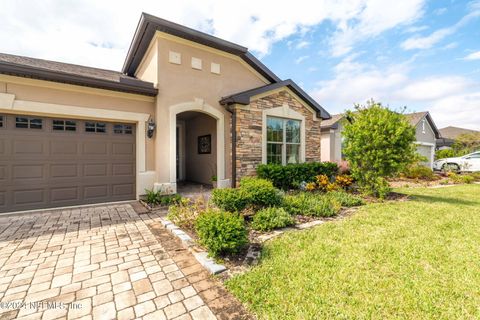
{"x": 98, "y": 127}
{"x": 28, "y": 123}
{"x": 283, "y": 140}
{"x": 122, "y": 129}
{"x": 64, "y": 125}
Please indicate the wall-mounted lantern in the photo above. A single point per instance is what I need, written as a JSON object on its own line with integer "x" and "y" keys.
{"x": 150, "y": 128}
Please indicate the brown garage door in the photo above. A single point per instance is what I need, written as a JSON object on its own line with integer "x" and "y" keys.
{"x": 55, "y": 162}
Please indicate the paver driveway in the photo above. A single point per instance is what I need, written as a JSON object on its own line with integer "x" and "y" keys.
{"x": 100, "y": 262}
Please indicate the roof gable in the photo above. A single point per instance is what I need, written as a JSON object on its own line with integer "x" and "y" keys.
{"x": 149, "y": 24}
{"x": 245, "y": 96}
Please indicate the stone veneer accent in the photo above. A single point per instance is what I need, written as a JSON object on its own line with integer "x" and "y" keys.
{"x": 249, "y": 131}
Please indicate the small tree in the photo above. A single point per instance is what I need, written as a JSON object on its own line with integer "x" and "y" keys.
{"x": 378, "y": 144}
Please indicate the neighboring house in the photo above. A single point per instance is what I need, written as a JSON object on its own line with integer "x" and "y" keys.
{"x": 426, "y": 135}
{"x": 73, "y": 135}
{"x": 448, "y": 135}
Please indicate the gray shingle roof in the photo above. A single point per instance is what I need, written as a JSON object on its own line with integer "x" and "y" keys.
{"x": 72, "y": 74}
{"x": 453, "y": 132}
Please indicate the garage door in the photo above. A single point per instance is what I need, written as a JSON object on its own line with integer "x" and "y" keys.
{"x": 55, "y": 162}
{"x": 426, "y": 151}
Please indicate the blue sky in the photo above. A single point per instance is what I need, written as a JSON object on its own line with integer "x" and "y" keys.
{"x": 424, "y": 55}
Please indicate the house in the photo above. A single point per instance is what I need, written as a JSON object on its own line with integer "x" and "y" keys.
{"x": 448, "y": 135}
{"x": 426, "y": 135}
{"x": 186, "y": 106}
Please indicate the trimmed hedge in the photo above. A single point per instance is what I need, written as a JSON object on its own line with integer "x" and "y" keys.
{"x": 271, "y": 218}
{"x": 292, "y": 175}
{"x": 253, "y": 192}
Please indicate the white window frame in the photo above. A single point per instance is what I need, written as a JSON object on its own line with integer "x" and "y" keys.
{"x": 284, "y": 112}
{"x": 284, "y": 143}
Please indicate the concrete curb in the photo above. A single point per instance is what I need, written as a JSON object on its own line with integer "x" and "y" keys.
{"x": 188, "y": 243}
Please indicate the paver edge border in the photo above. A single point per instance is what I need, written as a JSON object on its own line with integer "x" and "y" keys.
{"x": 187, "y": 242}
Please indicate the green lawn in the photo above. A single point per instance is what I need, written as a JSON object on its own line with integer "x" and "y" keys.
{"x": 418, "y": 259}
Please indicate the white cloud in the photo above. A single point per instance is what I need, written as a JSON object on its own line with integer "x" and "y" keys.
{"x": 419, "y": 42}
{"x": 371, "y": 19}
{"x": 302, "y": 44}
{"x": 300, "y": 59}
{"x": 473, "y": 56}
{"x": 452, "y": 100}
{"x": 98, "y": 33}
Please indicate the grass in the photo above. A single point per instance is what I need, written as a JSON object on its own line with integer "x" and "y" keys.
{"x": 418, "y": 259}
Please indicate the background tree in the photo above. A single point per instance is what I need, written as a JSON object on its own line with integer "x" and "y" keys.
{"x": 464, "y": 144}
{"x": 379, "y": 143}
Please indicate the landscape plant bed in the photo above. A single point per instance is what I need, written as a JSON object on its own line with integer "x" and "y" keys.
{"x": 413, "y": 259}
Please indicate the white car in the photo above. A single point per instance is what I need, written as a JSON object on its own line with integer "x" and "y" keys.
{"x": 469, "y": 162}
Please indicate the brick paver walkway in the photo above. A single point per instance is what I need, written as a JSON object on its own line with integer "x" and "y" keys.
{"x": 102, "y": 262}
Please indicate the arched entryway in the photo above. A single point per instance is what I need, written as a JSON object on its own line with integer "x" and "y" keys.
{"x": 197, "y": 150}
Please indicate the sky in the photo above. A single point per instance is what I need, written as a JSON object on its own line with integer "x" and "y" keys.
{"x": 419, "y": 54}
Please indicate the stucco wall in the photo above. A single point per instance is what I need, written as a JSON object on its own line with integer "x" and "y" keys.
{"x": 249, "y": 131}
{"x": 77, "y": 96}
{"x": 199, "y": 167}
{"x": 180, "y": 84}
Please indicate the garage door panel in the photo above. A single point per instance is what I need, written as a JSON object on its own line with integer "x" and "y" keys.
{"x": 50, "y": 168}
{"x": 123, "y": 189}
{"x": 29, "y": 197}
{"x": 95, "y": 148}
{"x": 65, "y": 194}
{"x": 123, "y": 149}
{"x": 63, "y": 148}
{"x": 96, "y": 191}
{"x": 3, "y": 173}
{"x": 30, "y": 147}
{"x": 33, "y": 171}
{"x": 123, "y": 169}
{"x": 64, "y": 170}
{"x": 95, "y": 170}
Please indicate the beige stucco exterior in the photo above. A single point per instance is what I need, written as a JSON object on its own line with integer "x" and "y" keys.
{"x": 183, "y": 84}
{"x": 44, "y": 98}
{"x": 190, "y": 77}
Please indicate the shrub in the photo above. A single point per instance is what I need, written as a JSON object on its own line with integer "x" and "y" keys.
{"x": 233, "y": 200}
{"x": 292, "y": 175}
{"x": 475, "y": 175}
{"x": 221, "y": 232}
{"x": 253, "y": 192}
{"x": 346, "y": 199}
{"x": 151, "y": 197}
{"x": 271, "y": 218}
{"x": 260, "y": 192}
{"x": 185, "y": 213}
{"x": 322, "y": 181}
{"x": 445, "y": 153}
{"x": 417, "y": 171}
{"x": 157, "y": 198}
{"x": 311, "y": 204}
{"x": 344, "y": 181}
{"x": 457, "y": 178}
{"x": 379, "y": 143}
{"x": 166, "y": 200}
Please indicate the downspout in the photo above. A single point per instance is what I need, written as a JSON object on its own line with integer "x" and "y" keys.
{"x": 233, "y": 111}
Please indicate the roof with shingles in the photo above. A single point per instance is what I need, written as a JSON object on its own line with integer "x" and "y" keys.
{"x": 72, "y": 74}
{"x": 453, "y": 132}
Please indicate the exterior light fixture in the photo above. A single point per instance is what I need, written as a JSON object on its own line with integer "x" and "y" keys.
{"x": 150, "y": 128}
